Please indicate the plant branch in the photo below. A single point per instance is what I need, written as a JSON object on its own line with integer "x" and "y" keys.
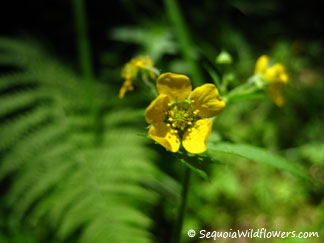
{"x": 182, "y": 207}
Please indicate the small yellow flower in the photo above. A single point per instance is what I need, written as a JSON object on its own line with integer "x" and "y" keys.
{"x": 142, "y": 61}
{"x": 127, "y": 86}
{"x": 178, "y": 112}
{"x": 130, "y": 71}
{"x": 277, "y": 77}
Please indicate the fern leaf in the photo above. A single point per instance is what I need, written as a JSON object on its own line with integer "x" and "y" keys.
{"x": 60, "y": 173}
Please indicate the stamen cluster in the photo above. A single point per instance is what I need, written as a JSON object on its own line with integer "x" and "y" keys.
{"x": 181, "y": 116}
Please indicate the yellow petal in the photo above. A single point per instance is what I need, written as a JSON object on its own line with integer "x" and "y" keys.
{"x": 176, "y": 86}
{"x": 156, "y": 111}
{"x": 127, "y": 86}
{"x": 142, "y": 61}
{"x": 161, "y": 133}
{"x": 207, "y": 100}
{"x": 275, "y": 93}
{"x": 261, "y": 64}
{"x": 129, "y": 71}
{"x": 284, "y": 78}
{"x": 276, "y": 74}
{"x": 194, "y": 140}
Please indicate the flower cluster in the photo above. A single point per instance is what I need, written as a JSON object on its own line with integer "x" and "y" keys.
{"x": 178, "y": 112}
{"x": 179, "y": 115}
{"x": 131, "y": 70}
{"x": 275, "y": 75}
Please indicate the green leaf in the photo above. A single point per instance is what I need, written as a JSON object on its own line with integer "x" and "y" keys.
{"x": 313, "y": 152}
{"x": 156, "y": 40}
{"x": 258, "y": 155}
{"x": 195, "y": 169}
{"x": 196, "y": 163}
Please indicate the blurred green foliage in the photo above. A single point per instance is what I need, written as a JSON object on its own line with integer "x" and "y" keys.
{"x": 72, "y": 174}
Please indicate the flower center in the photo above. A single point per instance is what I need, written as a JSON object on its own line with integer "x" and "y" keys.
{"x": 181, "y": 116}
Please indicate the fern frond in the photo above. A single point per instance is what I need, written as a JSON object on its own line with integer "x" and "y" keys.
{"x": 16, "y": 128}
{"x": 8, "y": 81}
{"x": 18, "y": 101}
{"x": 59, "y": 172}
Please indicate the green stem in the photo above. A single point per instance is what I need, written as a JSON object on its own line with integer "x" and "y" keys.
{"x": 240, "y": 90}
{"x": 83, "y": 41}
{"x": 252, "y": 85}
{"x": 187, "y": 48}
{"x": 182, "y": 207}
{"x": 150, "y": 85}
{"x": 86, "y": 65}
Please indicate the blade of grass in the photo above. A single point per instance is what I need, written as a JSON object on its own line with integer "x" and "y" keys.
{"x": 83, "y": 41}
{"x": 186, "y": 44}
{"x": 85, "y": 60}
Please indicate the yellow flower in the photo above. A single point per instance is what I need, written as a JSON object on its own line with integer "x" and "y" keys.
{"x": 142, "y": 61}
{"x": 127, "y": 86}
{"x": 277, "y": 77}
{"x": 178, "y": 112}
{"x": 130, "y": 71}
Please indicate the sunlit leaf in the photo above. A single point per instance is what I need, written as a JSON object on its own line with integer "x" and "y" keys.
{"x": 258, "y": 155}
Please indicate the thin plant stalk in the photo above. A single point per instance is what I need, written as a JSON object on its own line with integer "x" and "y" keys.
{"x": 85, "y": 60}
{"x": 83, "y": 40}
{"x": 182, "y": 207}
{"x": 186, "y": 45}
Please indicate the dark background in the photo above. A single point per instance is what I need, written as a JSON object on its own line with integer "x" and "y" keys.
{"x": 263, "y": 22}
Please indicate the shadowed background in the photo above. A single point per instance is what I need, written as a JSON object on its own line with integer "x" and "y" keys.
{"x": 75, "y": 163}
